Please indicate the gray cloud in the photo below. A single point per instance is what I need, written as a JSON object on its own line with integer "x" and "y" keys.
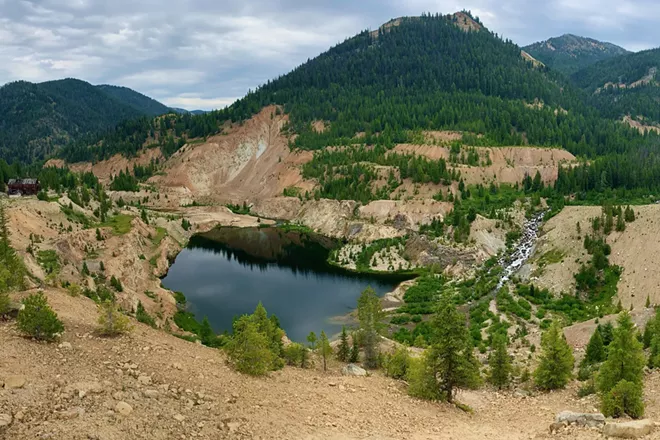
{"x": 206, "y": 53}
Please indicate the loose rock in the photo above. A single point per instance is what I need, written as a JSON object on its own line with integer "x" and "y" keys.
{"x": 353, "y": 370}
{"x": 580, "y": 419}
{"x": 14, "y": 382}
{"x": 5, "y": 420}
{"x": 634, "y": 429}
{"x": 123, "y": 408}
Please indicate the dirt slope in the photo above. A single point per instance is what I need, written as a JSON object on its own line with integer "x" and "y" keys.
{"x": 509, "y": 164}
{"x": 251, "y": 161}
{"x": 636, "y": 250}
{"x": 177, "y": 389}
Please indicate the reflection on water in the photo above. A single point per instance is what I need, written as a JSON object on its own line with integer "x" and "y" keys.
{"x": 227, "y": 271}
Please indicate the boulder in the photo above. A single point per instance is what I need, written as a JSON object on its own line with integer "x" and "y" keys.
{"x": 123, "y": 408}
{"x": 633, "y": 429}
{"x": 353, "y": 370}
{"x": 13, "y": 382}
{"x": 580, "y": 419}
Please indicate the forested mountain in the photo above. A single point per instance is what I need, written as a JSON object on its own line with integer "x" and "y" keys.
{"x": 422, "y": 73}
{"x": 626, "y": 85}
{"x": 145, "y": 105}
{"x": 37, "y": 119}
{"x": 570, "y": 53}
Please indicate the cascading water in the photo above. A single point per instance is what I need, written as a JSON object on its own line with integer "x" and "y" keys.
{"x": 523, "y": 250}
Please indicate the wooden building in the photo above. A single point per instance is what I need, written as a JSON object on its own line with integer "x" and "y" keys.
{"x": 23, "y": 187}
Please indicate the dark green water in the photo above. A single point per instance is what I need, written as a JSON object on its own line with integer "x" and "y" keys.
{"x": 227, "y": 271}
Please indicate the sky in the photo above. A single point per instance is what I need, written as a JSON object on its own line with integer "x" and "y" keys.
{"x": 204, "y": 54}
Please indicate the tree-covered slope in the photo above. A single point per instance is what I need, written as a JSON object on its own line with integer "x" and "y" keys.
{"x": 570, "y": 53}
{"x": 626, "y": 85}
{"x": 143, "y": 104}
{"x": 37, "y": 119}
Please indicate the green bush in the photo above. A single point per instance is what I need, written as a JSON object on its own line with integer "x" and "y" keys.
{"x": 111, "y": 321}
{"x": 587, "y": 389}
{"x": 293, "y": 354}
{"x": 4, "y": 303}
{"x": 38, "y": 320}
{"x": 624, "y": 398}
{"x": 396, "y": 364}
{"x": 143, "y": 316}
{"x": 249, "y": 350}
{"x": 421, "y": 379}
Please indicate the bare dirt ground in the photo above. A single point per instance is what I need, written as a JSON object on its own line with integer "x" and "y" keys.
{"x": 180, "y": 390}
{"x": 636, "y": 250}
{"x": 509, "y": 164}
{"x": 639, "y": 125}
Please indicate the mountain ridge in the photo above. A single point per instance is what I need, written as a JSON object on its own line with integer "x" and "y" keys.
{"x": 569, "y": 53}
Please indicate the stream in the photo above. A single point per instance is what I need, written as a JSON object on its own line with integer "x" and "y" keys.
{"x": 523, "y": 250}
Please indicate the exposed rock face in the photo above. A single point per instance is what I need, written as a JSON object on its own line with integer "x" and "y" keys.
{"x": 353, "y": 370}
{"x": 580, "y": 419}
{"x": 634, "y": 429}
{"x": 425, "y": 252}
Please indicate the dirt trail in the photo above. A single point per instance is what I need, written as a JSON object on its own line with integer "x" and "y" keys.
{"x": 178, "y": 389}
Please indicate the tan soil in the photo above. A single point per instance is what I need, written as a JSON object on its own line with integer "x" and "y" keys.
{"x": 639, "y": 125}
{"x": 72, "y": 394}
{"x": 533, "y": 60}
{"x": 636, "y": 250}
{"x": 509, "y": 164}
{"x": 466, "y": 23}
{"x": 249, "y": 162}
{"x": 105, "y": 169}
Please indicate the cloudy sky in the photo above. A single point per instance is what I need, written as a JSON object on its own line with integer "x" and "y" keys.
{"x": 206, "y": 53}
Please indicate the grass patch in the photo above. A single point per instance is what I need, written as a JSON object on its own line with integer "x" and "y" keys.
{"x": 160, "y": 234}
{"x": 120, "y": 224}
{"x": 553, "y": 256}
{"x": 49, "y": 261}
{"x": 76, "y": 217}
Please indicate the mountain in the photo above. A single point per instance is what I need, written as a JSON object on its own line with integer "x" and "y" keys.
{"x": 37, "y": 119}
{"x": 184, "y": 111}
{"x": 143, "y": 104}
{"x": 570, "y": 53}
{"x": 628, "y": 85}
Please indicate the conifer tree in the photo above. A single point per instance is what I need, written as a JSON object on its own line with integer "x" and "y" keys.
{"x": 499, "y": 362}
{"x": 344, "y": 350}
{"x": 556, "y": 360}
{"x": 595, "y": 352}
{"x": 648, "y": 302}
{"x": 653, "y": 328}
{"x": 38, "y": 320}
{"x": 620, "y": 224}
{"x": 311, "y": 339}
{"x": 647, "y": 336}
{"x": 206, "y": 333}
{"x": 324, "y": 349}
{"x": 606, "y": 332}
{"x": 304, "y": 358}
{"x": 625, "y": 356}
{"x": 111, "y": 321}
{"x": 451, "y": 357}
{"x": 620, "y": 379}
{"x": 355, "y": 350}
{"x": 249, "y": 350}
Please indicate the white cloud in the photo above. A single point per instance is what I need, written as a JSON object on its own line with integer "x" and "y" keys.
{"x": 192, "y": 101}
{"x": 161, "y": 77}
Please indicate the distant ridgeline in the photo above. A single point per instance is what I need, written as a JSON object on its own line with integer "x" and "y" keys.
{"x": 424, "y": 73}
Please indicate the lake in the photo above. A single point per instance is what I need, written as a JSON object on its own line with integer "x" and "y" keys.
{"x": 224, "y": 273}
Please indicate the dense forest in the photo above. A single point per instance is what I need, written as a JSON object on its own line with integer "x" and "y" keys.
{"x": 37, "y": 119}
{"x": 569, "y": 53}
{"x": 639, "y": 69}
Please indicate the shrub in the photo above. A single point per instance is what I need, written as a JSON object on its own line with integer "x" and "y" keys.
{"x": 396, "y": 364}
{"x": 38, "y": 320}
{"x": 111, "y": 321}
{"x": 293, "y": 354}
{"x": 500, "y": 364}
{"x": 4, "y": 303}
{"x": 142, "y": 316}
{"x": 116, "y": 284}
{"x": 421, "y": 379}
{"x": 624, "y": 398}
{"x": 587, "y": 389}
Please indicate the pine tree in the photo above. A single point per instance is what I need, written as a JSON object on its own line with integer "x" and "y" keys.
{"x": 499, "y": 362}
{"x": 4, "y": 303}
{"x": 370, "y": 345}
{"x": 355, "y": 350}
{"x": 556, "y": 360}
{"x": 370, "y": 317}
{"x": 311, "y": 338}
{"x": 620, "y": 224}
{"x": 325, "y": 349}
{"x": 304, "y": 358}
{"x": 452, "y": 360}
{"x": 206, "y": 333}
{"x": 248, "y": 349}
{"x": 606, "y": 332}
{"x": 647, "y": 336}
{"x": 625, "y": 357}
{"x": 620, "y": 380}
{"x": 653, "y": 327}
{"x": 595, "y": 352}
{"x": 38, "y": 320}
{"x": 344, "y": 350}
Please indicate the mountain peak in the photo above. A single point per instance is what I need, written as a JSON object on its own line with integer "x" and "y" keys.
{"x": 569, "y": 53}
